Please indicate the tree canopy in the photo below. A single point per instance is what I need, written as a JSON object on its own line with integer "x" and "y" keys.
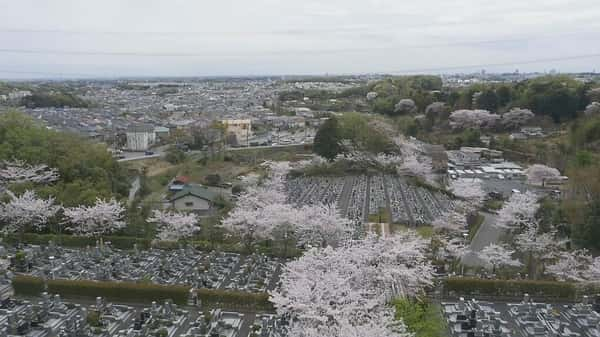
{"x": 87, "y": 170}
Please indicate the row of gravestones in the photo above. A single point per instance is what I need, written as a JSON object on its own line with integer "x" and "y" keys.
{"x": 50, "y": 316}
{"x": 185, "y": 266}
{"x": 527, "y": 319}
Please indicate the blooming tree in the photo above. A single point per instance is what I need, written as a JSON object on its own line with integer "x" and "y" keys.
{"x": 174, "y": 226}
{"x": 537, "y": 174}
{"x": 405, "y": 106}
{"x": 27, "y": 210}
{"x": 496, "y": 256}
{"x": 519, "y": 211}
{"x": 380, "y": 324}
{"x": 321, "y": 225}
{"x": 450, "y": 220}
{"x": 476, "y": 119}
{"x": 576, "y": 266}
{"x": 330, "y": 286}
{"x": 371, "y": 95}
{"x": 516, "y": 117}
{"x": 16, "y": 172}
{"x": 592, "y": 109}
{"x": 101, "y": 218}
{"x": 419, "y": 166}
{"x": 470, "y": 189}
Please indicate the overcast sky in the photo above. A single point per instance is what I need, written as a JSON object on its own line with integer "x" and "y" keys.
{"x": 263, "y": 37}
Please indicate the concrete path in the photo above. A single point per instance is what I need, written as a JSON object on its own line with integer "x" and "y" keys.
{"x": 487, "y": 233}
{"x": 135, "y": 187}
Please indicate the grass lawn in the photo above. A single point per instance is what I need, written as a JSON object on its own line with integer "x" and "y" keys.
{"x": 421, "y": 317}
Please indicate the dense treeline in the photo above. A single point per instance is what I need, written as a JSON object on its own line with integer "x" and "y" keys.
{"x": 55, "y": 99}
{"x": 87, "y": 170}
{"x": 559, "y": 97}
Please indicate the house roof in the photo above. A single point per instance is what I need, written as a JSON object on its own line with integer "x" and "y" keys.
{"x": 182, "y": 179}
{"x": 197, "y": 191}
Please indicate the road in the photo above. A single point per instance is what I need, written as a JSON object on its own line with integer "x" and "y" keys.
{"x": 487, "y": 233}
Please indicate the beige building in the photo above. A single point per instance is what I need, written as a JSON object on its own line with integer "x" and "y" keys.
{"x": 241, "y": 128}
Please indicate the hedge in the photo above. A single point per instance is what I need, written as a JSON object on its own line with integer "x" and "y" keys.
{"x": 511, "y": 288}
{"x": 141, "y": 292}
{"x": 235, "y": 299}
{"x": 127, "y": 242}
{"x": 28, "y": 285}
{"x": 119, "y": 291}
{"x": 121, "y": 242}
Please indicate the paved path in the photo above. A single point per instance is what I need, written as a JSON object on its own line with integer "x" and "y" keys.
{"x": 487, "y": 233}
{"x": 135, "y": 187}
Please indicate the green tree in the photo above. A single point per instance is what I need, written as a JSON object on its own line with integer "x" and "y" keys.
{"x": 327, "y": 143}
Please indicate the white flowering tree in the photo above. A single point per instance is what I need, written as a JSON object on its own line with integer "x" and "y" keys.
{"x": 419, "y": 166}
{"x": 453, "y": 220}
{"x": 105, "y": 216}
{"x": 27, "y": 211}
{"x": 173, "y": 226}
{"x": 380, "y": 324}
{"x": 516, "y": 117}
{"x": 321, "y": 225}
{"x": 519, "y": 211}
{"x": 469, "y": 189}
{"x": 538, "y": 247}
{"x": 495, "y": 256}
{"x": 577, "y": 266}
{"x": 537, "y": 174}
{"x": 593, "y": 109}
{"x": 16, "y": 172}
{"x": 456, "y": 248}
{"x": 475, "y": 119}
{"x": 330, "y": 286}
{"x": 405, "y": 106}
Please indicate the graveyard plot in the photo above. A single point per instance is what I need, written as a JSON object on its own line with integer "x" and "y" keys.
{"x": 187, "y": 266}
{"x": 524, "y": 319}
{"x": 361, "y": 198}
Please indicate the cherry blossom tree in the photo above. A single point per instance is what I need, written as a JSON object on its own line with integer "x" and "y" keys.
{"x": 380, "y": 324}
{"x": 575, "y": 266}
{"x": 537, "y": 174}
{"x": 519, "y": 211}
{"x": 371, "y": 95}
{"x": 516, "y": 117}
{"x": 419, "y": 166}
{"x": 329, "y": 286}
{"x": 174, "y": 226}
{"x": 539, "y": 247}
{"x": 450, "y": 220}
{"x": 321, "y": 225}
{"x": 101, "y": 218}
{"x": 476, "y": 119}
{"x": 592, "y": 109}
{"x": 496, "y": 256}
{"x": 470, "y": 189}
{"x": 27, "y": 210}
{"x": 405, "y": 106}
{"x": 17, "y": 172}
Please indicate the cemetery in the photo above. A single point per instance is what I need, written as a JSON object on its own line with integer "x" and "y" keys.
{"x": 358, "y": 197}
{"x": 185, "y": 266}
{"x": 50, "y": 316}
{"x": 525, "y": 319}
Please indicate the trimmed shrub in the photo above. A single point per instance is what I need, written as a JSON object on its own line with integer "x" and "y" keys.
{"x": 28, "y": 285}
{"x": 235, "y": 299}
{"x": 119, "y": 291}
